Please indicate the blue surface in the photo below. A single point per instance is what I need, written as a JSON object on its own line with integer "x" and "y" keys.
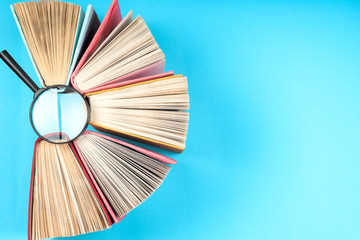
{"x": 273, "y": 144}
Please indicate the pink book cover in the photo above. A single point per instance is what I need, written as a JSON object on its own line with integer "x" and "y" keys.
{"x": 153, "y": 69}
{"x": 31, "y": 187}
{"x": 144, "y": 151}
{"x": 111, "y": 20}
{"x": 131, "y": 81}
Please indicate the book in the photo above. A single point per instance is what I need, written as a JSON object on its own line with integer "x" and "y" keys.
{"x": 111, "y": 20}
{"x": 89, "y": 27}
{"x": 150, "y": 110}
{"x": 63, "y": 201}
{"x": 126, "y": 174}
{"x": 130, "y": 51}
{"x": 50, "y": 31}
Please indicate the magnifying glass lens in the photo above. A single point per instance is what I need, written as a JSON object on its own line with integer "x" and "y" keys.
{"x": 59, "y": 114}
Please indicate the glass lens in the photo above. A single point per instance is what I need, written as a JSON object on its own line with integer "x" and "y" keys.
{"x": 59, "y": 114}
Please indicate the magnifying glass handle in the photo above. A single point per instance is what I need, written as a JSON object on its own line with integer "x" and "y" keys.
{"x": 6, "y": 57}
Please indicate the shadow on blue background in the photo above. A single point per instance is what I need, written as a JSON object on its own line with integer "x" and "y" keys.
{"x": 273, "y": 143}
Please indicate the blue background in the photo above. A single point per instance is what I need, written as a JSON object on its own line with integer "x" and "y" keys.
{"x": 273, "y": 143}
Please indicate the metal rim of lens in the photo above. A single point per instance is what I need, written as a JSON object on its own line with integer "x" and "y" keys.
{"x": 38, "y": 94}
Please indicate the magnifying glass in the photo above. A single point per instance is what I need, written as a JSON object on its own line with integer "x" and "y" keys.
{"x": 59, "y": 113}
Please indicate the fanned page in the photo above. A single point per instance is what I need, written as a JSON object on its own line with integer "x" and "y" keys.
{"x": 63, "y": 201}
{"x": 26, "y": 45}
{"x": 152, "y": 111}
{"x": 132, "y": 49}
{"x": 125, "y": 176}
{"x": 123, "y": 24}
{"x": 50, "y": 29}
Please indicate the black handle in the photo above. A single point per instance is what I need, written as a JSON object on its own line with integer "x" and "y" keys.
{"x": 6, "y": 57}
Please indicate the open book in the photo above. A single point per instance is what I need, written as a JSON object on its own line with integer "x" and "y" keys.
{"x": 63, "y": 201}
{"x": 55, "y": 35}
{"x": 150, "y": 110}
{"x": 128, "y": 51}
{"x": 127, "y": 175}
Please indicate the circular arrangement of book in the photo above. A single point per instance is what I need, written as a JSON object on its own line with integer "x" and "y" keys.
{"x": 90, "y": 180}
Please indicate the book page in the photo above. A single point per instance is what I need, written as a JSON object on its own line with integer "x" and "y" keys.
{"x": 125, "y": 176}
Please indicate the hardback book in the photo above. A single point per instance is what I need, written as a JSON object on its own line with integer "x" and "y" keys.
{"x": 126, "y": 174}
{"x": 89, "y": 184}
{"x": 151, "y": 110}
